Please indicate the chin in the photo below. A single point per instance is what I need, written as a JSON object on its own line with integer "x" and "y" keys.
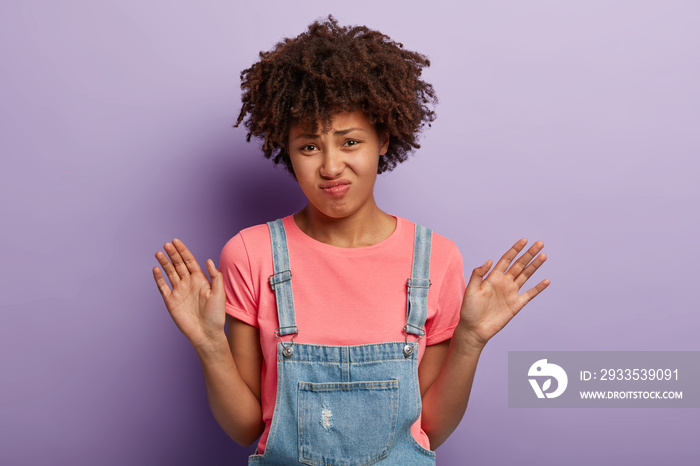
{"x": 335, "y": 214}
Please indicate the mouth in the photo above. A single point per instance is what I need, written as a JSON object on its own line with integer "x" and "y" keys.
{"x": 336, "y": 188}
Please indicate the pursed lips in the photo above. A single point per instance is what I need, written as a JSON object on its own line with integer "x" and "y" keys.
{"x": 332, "y": 184}
{"x": 335, "y": 187}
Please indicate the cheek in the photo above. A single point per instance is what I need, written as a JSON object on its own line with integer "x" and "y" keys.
{"x": 369, "y": 166}
{"x": 297, "y": 165}
{"x": 303, "y": 171}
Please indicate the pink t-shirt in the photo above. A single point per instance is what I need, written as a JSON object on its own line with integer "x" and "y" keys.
{"x": 342, "y": 296}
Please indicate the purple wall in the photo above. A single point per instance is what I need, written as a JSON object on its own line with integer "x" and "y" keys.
{"x": 571, "y": 122}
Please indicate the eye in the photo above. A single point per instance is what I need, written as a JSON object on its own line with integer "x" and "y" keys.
{"x": 308, "y": 148}
{"x": 351, "y": 142}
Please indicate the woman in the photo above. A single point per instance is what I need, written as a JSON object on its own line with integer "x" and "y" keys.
{"x": 351, "y": 337}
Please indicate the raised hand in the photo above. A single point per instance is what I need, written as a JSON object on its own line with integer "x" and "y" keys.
{"x": 197, "y": 305}
{"x": 491, "y": 302}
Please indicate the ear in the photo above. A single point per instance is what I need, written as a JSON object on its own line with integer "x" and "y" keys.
{"x": 384, "y": 138}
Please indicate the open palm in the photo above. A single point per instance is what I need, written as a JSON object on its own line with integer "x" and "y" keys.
{"x": 197, "y": 305}
{"x": 491, "y": 301}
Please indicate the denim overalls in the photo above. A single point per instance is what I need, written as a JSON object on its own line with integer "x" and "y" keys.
{"x": 346, "y": 405}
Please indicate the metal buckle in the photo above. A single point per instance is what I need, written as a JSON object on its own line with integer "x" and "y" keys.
{"x": 286, "y": 275}
{"x": 408, "y": 282}
{"x": 410, "y": 346}
{"x": 295, "y": 333}
{"x": 287, "y": 346}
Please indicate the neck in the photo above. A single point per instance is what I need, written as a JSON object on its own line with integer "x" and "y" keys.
{"x": 361, "y": 229}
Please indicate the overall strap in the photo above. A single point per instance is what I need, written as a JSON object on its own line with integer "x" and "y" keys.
{"x": 281, "y": 281}
{"x": 418, "y": 284}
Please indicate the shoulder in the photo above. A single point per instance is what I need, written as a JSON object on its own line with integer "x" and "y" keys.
{"x": 251, "y": 235}
{"x": 249, "y": 244}
{"x": 446, "y": 259}
{"x": 442, "y": 248}
{"x": 446, "y": 263}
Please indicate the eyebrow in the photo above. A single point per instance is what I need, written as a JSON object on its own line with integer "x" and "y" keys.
{"x": 341, "y": 132}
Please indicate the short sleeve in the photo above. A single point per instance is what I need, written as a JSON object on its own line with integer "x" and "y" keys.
{"x": 451, "y": 292}
{"x": 241, "y": 298}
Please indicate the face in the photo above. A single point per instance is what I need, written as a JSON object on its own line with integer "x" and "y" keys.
{"x": 337, "y": 169}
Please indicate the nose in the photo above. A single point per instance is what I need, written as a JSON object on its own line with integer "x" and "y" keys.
{"x": 333, "y": 164}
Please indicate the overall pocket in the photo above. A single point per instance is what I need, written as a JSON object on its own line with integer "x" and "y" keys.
{"x": 346, "y": 423}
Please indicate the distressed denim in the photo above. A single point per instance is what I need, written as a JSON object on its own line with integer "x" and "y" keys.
{"x": 346, "y": 405}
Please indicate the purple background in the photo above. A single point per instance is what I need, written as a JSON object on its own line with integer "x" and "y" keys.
{"x": 574, "y": 122}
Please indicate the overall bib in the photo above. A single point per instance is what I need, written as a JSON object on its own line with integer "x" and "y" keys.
{"x": 346, "y": 405}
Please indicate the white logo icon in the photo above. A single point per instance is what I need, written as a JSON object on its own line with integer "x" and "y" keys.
{"x": 543, "y": 369}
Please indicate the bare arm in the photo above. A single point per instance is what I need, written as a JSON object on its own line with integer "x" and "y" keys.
{"x": 431, "y": 364}
{"x": 244, "y": 342}
{"x": 445, "y": 400}
{"x": 233, "y": 390}
{"x": 489, "y": 303}
{"x": 198, "y": 308}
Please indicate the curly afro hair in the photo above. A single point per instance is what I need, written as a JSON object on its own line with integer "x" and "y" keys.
{"x": 330, "y": 69}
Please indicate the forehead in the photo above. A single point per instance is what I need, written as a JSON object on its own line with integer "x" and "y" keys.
{"x": 339, "y": 122}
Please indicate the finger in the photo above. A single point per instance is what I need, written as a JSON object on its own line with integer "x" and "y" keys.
{"x": 478, "y": 274}
{"x": 530, "y": 269}
{"x": 187, "y": 257}
{"x": 168, "y": 268}
{"x": 217, "y": 280}
{"x": 160, "y": 282}
{"x": 525, "y": 259}
{"x": 508, "y": 257}
{"x": 176, "y": 259}
{"x": 534, "y": 291}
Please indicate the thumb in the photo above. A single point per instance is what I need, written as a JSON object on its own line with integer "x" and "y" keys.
{"x": 217, "y": 279}
{"x": 478, "y": 274}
